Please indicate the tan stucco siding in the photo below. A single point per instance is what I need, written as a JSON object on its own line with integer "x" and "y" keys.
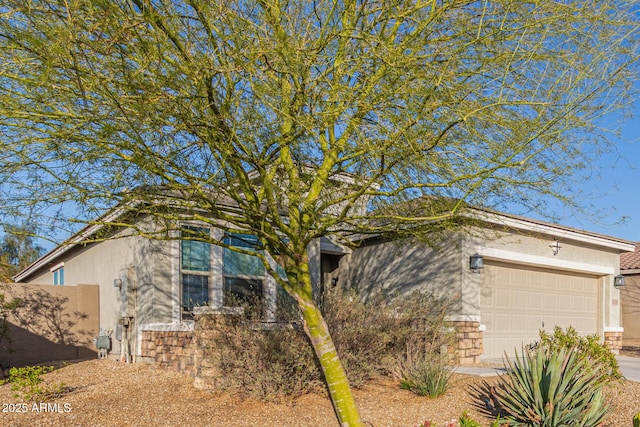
{"x": 397, "y": 269}
{"x": 540, "y": 247}
{"x": 131, "y": 259}
{"x": 630, "y": 296}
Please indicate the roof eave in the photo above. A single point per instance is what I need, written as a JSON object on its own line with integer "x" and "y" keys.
{"x": 70, "y": 243}
{"x": 555, "y": 230}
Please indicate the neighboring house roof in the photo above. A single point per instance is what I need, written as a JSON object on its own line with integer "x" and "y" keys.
{"x": 630, "y": 260}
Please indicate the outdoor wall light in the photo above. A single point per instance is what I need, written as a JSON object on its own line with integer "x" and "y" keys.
{"x": 476, "y": 262}
{"x": 618, "y": 281}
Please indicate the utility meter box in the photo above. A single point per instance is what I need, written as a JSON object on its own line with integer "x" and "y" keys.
{"x": 103, "y": 342}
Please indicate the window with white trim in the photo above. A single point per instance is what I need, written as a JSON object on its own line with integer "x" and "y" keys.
{"x": 195, "y": 267}
{"x": 58, "y": 274}
{"x": 241, "y": 281}
{"x": 243, "y": 274}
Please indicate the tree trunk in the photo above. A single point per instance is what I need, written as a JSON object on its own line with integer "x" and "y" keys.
{"x": 316, "y": 329}
{"x": 336, "y": 378}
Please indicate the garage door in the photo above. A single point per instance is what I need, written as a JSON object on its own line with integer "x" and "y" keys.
{"x": 517, "y": 301}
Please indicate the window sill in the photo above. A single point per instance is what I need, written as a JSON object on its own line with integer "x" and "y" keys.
{"x": 228, "y": 311}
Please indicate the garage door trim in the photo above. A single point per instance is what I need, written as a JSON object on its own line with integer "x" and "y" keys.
{"x": 545, "y": 262}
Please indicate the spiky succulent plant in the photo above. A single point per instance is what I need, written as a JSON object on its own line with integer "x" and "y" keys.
{"x": 551, "y": 388}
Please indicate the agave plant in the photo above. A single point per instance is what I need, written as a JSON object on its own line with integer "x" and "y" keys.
{"x": 551, "y": 388}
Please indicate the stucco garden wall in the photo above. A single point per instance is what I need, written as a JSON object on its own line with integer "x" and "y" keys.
{"x": 51, "y": 323}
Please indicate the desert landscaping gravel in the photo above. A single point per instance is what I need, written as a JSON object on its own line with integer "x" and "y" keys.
{"x": 110, "y": 393}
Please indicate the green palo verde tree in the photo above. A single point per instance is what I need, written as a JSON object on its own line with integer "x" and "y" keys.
{"x": 291, "y": 120}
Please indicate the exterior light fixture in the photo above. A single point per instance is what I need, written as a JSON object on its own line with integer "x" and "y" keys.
{"x": 618, "y": 281}
{"x": 476, "y": 262}
{"x": 555, "y": 247}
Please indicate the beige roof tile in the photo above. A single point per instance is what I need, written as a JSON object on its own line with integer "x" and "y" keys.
{"x": 630, "y": 260}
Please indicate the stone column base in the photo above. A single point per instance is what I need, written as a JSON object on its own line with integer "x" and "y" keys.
{"x": 614, "y": 341}
{"x": 467, "y": 347}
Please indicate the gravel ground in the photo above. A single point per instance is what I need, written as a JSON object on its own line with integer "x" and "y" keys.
{"x": 109, "y": 393}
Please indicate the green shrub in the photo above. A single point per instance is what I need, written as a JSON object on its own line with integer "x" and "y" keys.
{"x": 551, "y": 387}
{"x": 26, "y": 383}
{"x": 636, "y": 420}
{"x": 426, "y": 373}
{"x": 465, "y": 420}
{"x": 588, "y": 347}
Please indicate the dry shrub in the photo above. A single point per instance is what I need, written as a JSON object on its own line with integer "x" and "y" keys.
{"x": 270, "y": 361}
{"x": 265, "y": 363}
{"x": 377, "y": 337}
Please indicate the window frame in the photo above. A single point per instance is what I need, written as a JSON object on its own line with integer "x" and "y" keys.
{"x": 186, "y": 307}
{"x": 259, "y": 280}
{"x": 216, "y": 275}
{"x": 58, "y": 274}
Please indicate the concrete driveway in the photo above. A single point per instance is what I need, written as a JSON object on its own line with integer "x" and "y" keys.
{"x": 629, "y": 366}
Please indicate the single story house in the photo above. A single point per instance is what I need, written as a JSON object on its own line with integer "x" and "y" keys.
{"x": 630, "y": 296}
{"x": 508, "y": 277}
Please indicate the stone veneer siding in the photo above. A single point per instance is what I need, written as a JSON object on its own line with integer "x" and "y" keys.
{"x": 173, "y": 350}
{"x": 185, "y": 351}
{"x": 614, "y": 341}
{"x": 467, "y": 347}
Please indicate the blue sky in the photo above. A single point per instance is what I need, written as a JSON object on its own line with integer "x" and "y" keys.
{"x": 617, "y": 187}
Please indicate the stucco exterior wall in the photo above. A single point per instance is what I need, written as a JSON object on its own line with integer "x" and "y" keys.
{"x": 540, "y": 246}
{"x": 130, "y": 260}
{"x": 572, "y": 256}
{"x": 630, "y": 296}
{"x": 399, "y": 268}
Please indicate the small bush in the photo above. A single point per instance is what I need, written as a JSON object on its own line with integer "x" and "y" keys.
{"x": 375, "y": 338}
{"x": 425, "y": 373}
{"x": 371, "y": 339}
{"x": 589, "y": 347}
{"x": 551, "y": 387}
{"x": 465, "y": 420}
{"x": 264, "y": 363}
{"x": 26, "y": 383}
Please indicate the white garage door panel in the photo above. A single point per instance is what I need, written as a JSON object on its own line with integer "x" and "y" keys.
{"x": 516, "y": 302}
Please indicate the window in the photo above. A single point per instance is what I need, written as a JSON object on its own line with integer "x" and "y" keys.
{"x": 243, "y": 274}
{"x": 220, "y": 276}
{"x": 58, "y": 274}
{"x": 195, "y": 267}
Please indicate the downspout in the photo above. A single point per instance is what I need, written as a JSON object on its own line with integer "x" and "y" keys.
{"x": 135, "y": 323}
